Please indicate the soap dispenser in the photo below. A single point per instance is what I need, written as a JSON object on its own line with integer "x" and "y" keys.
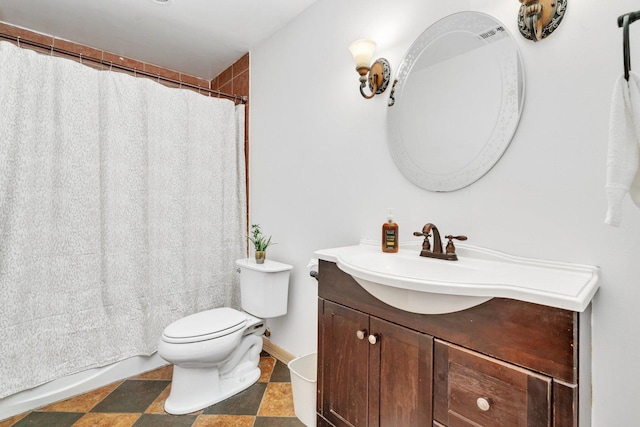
{"x": 390, "y": 235}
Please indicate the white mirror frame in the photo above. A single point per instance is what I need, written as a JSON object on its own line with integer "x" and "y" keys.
{"x": 484, "y": 30}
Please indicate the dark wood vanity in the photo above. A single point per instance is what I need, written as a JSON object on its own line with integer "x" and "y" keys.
{"x": 502, "y": 363}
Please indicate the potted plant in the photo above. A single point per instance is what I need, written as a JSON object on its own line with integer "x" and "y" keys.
{"x": 260, "y": 243}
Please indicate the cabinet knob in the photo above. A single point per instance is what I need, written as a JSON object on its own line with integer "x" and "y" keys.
{"x": 361, "y": 334}
{"x": 373, "y": 338}
{"x": 483, "y": 404}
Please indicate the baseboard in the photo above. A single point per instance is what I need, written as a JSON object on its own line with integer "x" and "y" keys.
{"x": 278, "y": 352}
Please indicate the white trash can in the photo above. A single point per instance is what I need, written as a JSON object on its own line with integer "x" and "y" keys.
{"x": 303, "y": 383}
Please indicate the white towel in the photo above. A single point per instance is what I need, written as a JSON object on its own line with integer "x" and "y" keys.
{"x": 623, "y": 158}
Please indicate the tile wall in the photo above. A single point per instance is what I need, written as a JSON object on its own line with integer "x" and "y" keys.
{"x": 91, "y": 55}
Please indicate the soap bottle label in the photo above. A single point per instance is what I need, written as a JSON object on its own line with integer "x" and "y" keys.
{"x": 390, "y": 239}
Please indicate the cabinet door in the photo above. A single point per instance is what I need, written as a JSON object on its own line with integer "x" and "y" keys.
{"x": 345, "y": 365}
{"x": 471, "y": 389}
{"x": 400, "y": 387}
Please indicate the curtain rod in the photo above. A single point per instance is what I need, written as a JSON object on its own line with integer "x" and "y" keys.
{"x": 236, "y": 98}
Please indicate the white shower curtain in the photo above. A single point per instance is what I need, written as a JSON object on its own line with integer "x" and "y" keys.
{"x": 122, "y": 208}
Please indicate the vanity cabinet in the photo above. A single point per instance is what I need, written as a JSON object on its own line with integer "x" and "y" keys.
{"x": 502, "y": 363}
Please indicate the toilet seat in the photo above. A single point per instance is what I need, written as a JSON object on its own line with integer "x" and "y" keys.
{"x": 205, "y": 325}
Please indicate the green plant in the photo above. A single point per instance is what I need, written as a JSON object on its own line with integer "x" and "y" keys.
{"x": 260, "y": 242}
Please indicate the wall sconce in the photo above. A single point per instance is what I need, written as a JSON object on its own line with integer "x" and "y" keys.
{"x": 539, "y": 18}
{"x": 377, "y": 74}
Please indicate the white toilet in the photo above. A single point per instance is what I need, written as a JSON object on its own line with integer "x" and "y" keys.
{"x": 215, "y": 353}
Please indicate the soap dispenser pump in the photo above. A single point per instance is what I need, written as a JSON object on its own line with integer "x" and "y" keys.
{"x": 390, "y": 235}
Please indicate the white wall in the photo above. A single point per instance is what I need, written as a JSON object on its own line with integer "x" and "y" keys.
{"x": 322, "y": 176}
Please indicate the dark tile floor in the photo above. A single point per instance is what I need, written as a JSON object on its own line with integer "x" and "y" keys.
{"x": 138, "y": 402}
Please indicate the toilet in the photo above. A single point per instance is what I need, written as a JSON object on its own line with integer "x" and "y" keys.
{"x": 216, "y": 352}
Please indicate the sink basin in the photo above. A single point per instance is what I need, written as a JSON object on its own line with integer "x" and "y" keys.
{"x": 417, "y": 284}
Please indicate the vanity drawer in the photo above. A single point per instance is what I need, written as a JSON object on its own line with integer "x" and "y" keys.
{"x": 471, "y": 389}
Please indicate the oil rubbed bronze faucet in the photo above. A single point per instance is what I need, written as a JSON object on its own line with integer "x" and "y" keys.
{"x": 449, "y": 254}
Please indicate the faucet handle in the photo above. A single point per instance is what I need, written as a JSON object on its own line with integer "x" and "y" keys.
{"x": 426, "y": 246}
{"x": 450, "y": 248}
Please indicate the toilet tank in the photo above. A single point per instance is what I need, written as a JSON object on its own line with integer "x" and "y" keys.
{"x": 264, "y": 288}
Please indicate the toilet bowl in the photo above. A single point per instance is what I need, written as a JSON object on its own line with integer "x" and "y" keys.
{"x": 216, "y": 352}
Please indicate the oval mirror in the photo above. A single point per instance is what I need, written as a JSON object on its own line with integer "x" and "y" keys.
{"x": 457, "y": 101}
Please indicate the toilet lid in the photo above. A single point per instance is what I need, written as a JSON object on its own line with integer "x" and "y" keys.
{"x": 205, "y": 325}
